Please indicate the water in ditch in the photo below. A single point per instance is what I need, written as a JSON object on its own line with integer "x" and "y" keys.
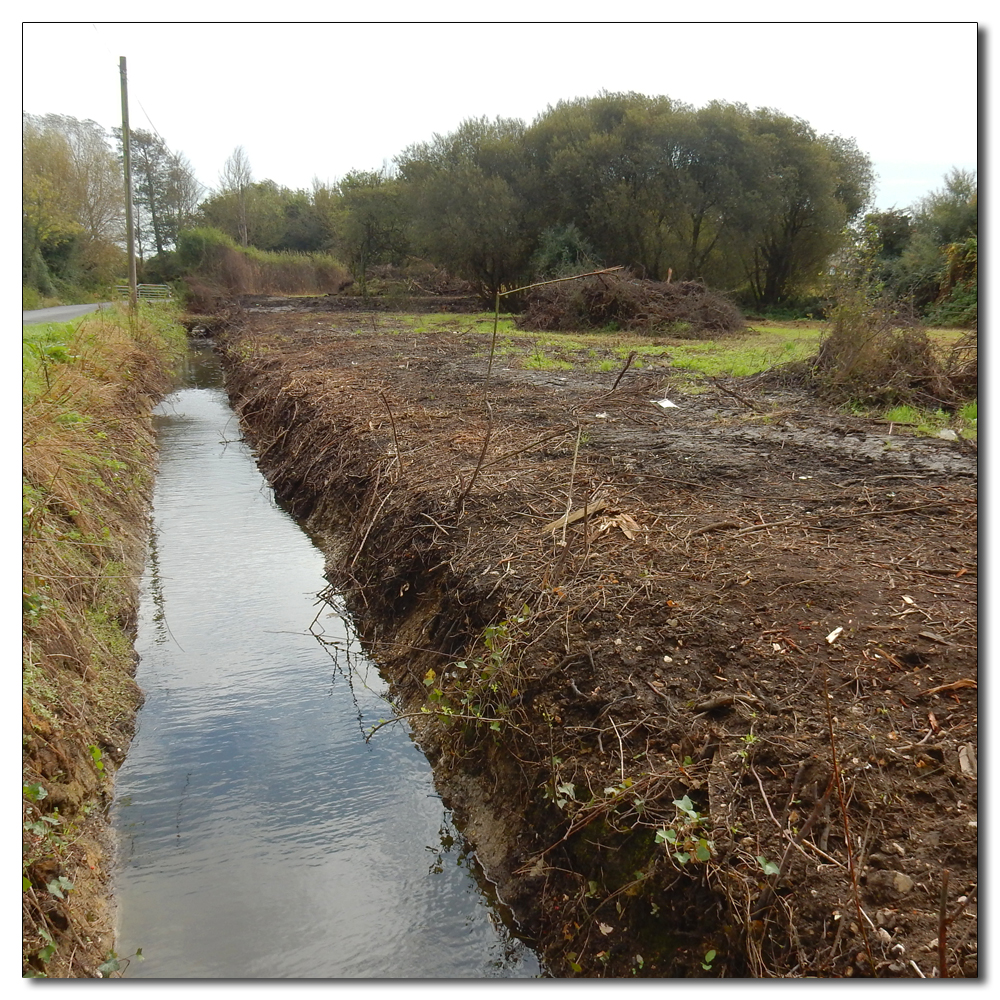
{"x": 260, "y": 836}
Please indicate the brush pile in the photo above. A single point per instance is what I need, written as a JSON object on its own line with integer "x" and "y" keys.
{"x": 877, "y": 356}
{"x": 686, "y": 309}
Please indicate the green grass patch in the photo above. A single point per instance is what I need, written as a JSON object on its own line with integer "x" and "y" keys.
{"x": 970, "y": 412}
{"x": 808, "y": 332}
{"x": 67, "y": 295}
{"x": 767, "y": 347}
{"x": 43, "y": 348}
{"x": 539, "y": 360}
{"x": 946, "y": 336}
{"x": 930, "y": 423}
{"x": 445, "y": 323}
{"x": 759, "y": 349}
{"x": 50, "y": 333}
{"x": 730, "y": 356}
{"x": 903, "y": 415}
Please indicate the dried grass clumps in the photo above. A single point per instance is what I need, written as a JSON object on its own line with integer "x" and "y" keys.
{"x": 876, "y": 355}
{"x": 686, "y": 309}
{"x": 962, "y": 365}
{"x": 88, "y": 454}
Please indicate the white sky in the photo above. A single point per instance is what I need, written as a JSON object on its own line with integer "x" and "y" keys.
{"x": 316, "y": 99}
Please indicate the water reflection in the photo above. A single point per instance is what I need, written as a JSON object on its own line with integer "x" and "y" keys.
{"x": 261, "y": 836}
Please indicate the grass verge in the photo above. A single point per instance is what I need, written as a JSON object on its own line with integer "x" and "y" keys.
{"x": 87, "y": 467}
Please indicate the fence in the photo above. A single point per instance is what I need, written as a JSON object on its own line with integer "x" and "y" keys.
{"x": 147, "y": 291}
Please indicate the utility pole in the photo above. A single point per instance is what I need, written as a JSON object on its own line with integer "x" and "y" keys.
{"x": 133, "y": 293}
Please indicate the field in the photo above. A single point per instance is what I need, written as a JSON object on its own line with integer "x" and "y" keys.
{"x": 695, "y": 657}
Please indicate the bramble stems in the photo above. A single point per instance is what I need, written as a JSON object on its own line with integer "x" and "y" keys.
{"x": 847, "y": 829}
{"x": 572, "y": 476}
{"x": 625, "y": 368}
{"x": 395, "y": 439}
{"x": 482, "y": 455}
{"x": 943, "y": 927}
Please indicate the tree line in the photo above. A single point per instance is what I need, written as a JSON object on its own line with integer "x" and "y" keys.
{"x": 747, "y": 200}
{"x": 73, "y": 200}
{"x": 751, "y": 201}
{"x": 927, "y": 256}
{"x": 743, "y": 199}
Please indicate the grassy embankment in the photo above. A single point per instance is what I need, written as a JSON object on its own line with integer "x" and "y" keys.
{"x": 67, "y": 295}
{"x": 88, "y": 462}
{"x": 762, "y": 347}
{"x": 216, "y": 270}
{"x": 209, "y": 268}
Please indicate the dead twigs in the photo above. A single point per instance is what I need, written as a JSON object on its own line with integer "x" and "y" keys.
{"x": 529, "y": 447}
{"x": 571, "y": 518}
{"x": 403, "y": 716}
{"x": 739, "y": 397}
{"x": 723, "y": 701}
{"x": 802, "y": 520}
{"x": 847, "y": 828}
{"x": 625, "y": 368}
{"x": 482, "y": 454}
{"x": 715, "y": 526}
{"x": 569, "y": 492}
{"x": 794, "y": 843}
{"x": 943, "y": 927}
{"x": 965, "y": 682}
{"x": 371, "y": 524}
{"x": 395, "y": 439}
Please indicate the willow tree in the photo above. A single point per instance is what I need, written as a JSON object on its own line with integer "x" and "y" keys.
{"x": 466, "y": 197}
{"x": 720, "y": 178}
{"x": 370, "y": 222}
{"x": 721, "y": 193}
{"x": 749, "y": 200}
{"x": 813, "y": 188}
{"x": 610, "y": 167}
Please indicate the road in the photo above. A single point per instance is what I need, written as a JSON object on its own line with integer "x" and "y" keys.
{"x": 59, "y": 314}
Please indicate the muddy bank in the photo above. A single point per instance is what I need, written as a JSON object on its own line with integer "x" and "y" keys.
{"x": 721, "y": 719}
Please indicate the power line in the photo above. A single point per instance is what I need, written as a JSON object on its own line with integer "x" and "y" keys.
{"x": 133, "y": 99}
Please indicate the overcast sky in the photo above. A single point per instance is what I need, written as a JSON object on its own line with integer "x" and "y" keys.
{"x": 319, "y": 99}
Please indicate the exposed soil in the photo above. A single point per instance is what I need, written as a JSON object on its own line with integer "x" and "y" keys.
{"x": 767, "y": 615}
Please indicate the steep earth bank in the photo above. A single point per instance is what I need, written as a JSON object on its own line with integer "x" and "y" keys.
{"x": 699, "y": 679}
